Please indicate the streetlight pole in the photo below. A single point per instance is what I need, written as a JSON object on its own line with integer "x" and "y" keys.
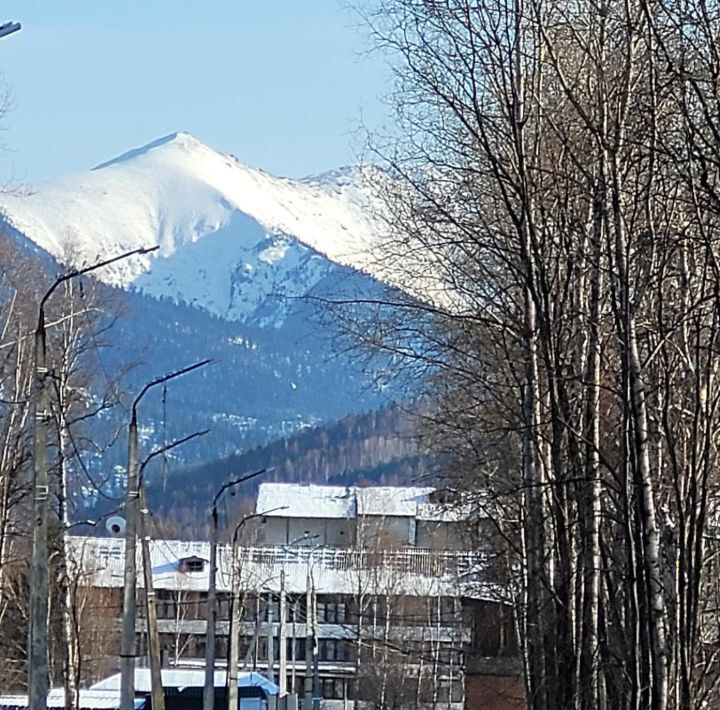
{"x": 38, "y": 680}
{"x": 309, "y": 639}
{"x": 209, "y": 686}
{"x": 153, "y": 637}
{"x": 132, "y": 494}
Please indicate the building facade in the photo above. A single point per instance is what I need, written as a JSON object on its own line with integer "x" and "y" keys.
{"x": 364, "y": 597}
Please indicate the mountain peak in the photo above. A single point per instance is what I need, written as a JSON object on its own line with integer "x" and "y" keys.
{"x": 210, "y": 214}
{"x": 179, "y": 138}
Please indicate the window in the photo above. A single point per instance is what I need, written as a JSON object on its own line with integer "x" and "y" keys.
{"x": 442, "y": 610}
{"x": 328, "y": 649}
{"x": 332, "y": 688}
{"x": 451, "y": 689}
{"x": 192, "y": 564}
{"x": 171, "y": 645}
{"x": 200, "y": 610}
{"x": 492, "y": 630}
{"x": 351, "y": 610}
{"x": 273, "y": 607}
{"x": 299, "y": 649}
{"x": 223, "y": 606}
{"x": 165, "y": 604}
{"x": 247, "y": 608}
{"x": 296, "y": 609}
{"x": 379, "y": 607}
{"x": 221, "y": 646}
{"x": 332, "y": 612}
{"x": 335, "y": 650}
{"x": 244, "y": 645}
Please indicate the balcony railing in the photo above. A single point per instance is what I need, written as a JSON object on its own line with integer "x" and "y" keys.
{"x": 433, "y": 563}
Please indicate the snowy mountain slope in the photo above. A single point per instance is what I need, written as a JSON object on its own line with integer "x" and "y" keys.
{"x": 238, "y": 251}
{"x": 231, "y": 237}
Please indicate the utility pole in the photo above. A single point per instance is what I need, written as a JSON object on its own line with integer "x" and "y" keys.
{"x": 132, "y": 494}
{"x": 293, "y": 644}
{"x": 38, "y": 677}
{"x": 127, "y": 642}
{"x": 153, "y": 637}
{"x": 235, "y": 614}
{"x": 209, "y": 686}
{"x": 309, "y": 641}
{"x": 270, "y": 638}
{"x": 38, "y": 643}
{"x": 316, "y": 650}
{"x": 234, "y": 630}
{"x": 282, "y": 642}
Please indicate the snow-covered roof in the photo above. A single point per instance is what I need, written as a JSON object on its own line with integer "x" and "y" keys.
{"x": 90, "y": 699}
{"x": 391, "y": 501}
{"x": 295, "y": 500}
{"x": 441, "y": 513}
{"x": 100, "y": 563}
{"x": 181, "y": 678}
{"x": 103, "y": 559}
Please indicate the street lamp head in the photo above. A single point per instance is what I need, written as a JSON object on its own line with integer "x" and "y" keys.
{"x": 8, "y": 28}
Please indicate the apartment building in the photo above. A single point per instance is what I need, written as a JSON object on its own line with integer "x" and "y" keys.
{"x": 364, "y": 597}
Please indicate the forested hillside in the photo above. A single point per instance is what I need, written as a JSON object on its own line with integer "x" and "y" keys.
{"x": 378, "y": 446}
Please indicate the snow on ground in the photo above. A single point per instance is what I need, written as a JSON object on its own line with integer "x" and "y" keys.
{"x": 219, "y": 224}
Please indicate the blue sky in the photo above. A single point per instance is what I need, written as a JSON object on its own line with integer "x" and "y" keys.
{"x": 281, "y": 84}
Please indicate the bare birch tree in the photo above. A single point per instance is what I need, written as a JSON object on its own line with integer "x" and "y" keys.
{"x": 554, "y": 216}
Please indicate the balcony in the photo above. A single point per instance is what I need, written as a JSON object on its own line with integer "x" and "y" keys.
{"x": 334, "y": 570}
{"x": 429, "y": 563}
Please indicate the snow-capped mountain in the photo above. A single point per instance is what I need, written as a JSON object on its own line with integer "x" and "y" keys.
{"x": 236, "y": 248}
{"x": 231, "y": 237}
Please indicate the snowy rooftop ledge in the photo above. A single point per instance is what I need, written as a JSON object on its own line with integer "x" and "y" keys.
{"x": 296, "y": 500}
{"x": 100, "y": 562}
